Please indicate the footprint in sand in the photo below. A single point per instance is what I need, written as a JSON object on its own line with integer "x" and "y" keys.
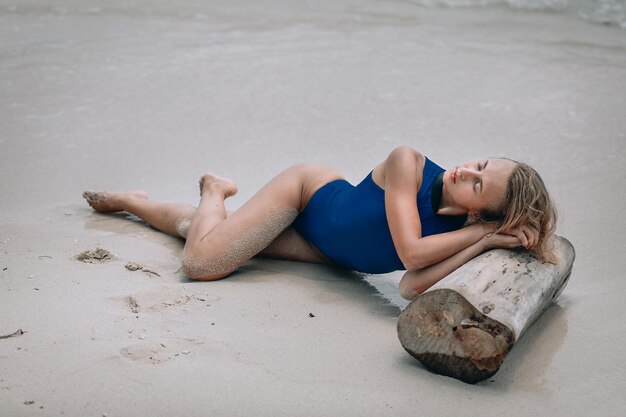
{"x": 149, "y": 353}
{"x": 154, "y": 353}
{"x": 182, "y": 301}
{"x": 154, "y": 302}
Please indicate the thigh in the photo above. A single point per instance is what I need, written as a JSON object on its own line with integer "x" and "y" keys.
{"x": 291, "y": 246}
{"x": 273, "y": 208}
{"x": 260, "y": 220}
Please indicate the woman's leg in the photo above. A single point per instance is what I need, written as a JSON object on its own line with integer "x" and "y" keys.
{"x": 261, "y": 223}
{"x": 291, "y": 246}
{"x": 173, "y": 219}
{"x": 217, "y": 245}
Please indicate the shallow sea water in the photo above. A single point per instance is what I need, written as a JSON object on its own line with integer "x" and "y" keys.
{"x": 607, "y": 12}
{"x": 150, "y": 94}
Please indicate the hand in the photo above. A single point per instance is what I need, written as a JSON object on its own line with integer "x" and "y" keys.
{"x": 527, "y": 235}
{"x": 500, "y": 241}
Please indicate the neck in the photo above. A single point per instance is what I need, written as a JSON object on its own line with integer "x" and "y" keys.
{"x": 447, "y": 205}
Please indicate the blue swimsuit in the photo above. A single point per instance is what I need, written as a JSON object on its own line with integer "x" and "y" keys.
{"x": 348, "y": 224}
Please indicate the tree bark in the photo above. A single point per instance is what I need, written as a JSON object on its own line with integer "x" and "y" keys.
{"x": 465, "y": 325}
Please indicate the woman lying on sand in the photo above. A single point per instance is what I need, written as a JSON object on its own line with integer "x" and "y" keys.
{"x": 309, "y": 213}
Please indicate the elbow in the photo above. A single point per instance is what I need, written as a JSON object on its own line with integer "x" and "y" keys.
{"x": 413, "y": 254}
{"x": 412, "y": 285}
{"x": 408, "y": 293}
{"x": 413, "y": 261}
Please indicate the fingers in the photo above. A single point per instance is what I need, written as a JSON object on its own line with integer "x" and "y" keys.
{"x": 501, "y": 240}
{"x": 511, "y": 241}
{"x": 532, "y": 235}
{"x": 535, "y": 237}
{"x": 527, "y": 235}
{"x": 519, "y": 233}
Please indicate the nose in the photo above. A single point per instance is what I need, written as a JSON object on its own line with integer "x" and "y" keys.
{"x": 469, "y": 173}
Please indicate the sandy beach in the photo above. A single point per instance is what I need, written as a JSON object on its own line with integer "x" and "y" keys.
{"x": 151, "y": 94}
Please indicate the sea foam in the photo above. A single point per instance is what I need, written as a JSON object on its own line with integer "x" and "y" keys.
{"x": 609, "y": 12}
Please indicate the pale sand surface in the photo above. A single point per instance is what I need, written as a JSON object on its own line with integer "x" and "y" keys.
{"x": 150, "y": 95}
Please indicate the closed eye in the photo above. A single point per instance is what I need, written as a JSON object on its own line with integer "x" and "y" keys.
{"x": 479, "y": 167}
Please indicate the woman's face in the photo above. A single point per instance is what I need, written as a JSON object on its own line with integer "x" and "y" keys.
{"x": 477, "y": 184}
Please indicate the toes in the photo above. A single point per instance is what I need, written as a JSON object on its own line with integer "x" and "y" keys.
{"x": 92, "y": 196}
{"x": 228, "y": 187}
{"x": 98, "y": 201}
{"x": 232, "y": 190}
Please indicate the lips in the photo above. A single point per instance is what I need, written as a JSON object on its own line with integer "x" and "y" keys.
{"x": 453, "y": 175}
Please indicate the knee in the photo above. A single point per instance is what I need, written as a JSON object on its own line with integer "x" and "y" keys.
{"x": 204, "y": 269}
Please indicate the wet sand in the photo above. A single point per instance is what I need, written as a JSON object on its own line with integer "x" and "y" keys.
{"x": 151, "y": 95}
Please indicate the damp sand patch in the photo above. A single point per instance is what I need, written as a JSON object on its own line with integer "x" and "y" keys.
{"x": 96, "y": 256}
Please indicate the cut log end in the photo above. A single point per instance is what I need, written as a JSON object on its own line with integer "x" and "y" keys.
{"x": 450, "y": 336}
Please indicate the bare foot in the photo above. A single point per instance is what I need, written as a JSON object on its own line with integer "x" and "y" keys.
{"x": 109, "y": 202}
{"x": 217, "y": 183}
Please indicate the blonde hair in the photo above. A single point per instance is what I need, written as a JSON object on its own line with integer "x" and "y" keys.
{"x": 527, "y": 202}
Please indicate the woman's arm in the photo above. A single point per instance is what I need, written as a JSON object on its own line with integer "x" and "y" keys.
{"x": 402, "y": 179}
{"x": 417, "y": 281}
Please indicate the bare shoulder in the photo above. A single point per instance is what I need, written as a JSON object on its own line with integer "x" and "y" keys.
{"x": 402, "y": 158}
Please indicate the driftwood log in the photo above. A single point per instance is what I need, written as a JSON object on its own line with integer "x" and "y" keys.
{"x": 465, "y": 325}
